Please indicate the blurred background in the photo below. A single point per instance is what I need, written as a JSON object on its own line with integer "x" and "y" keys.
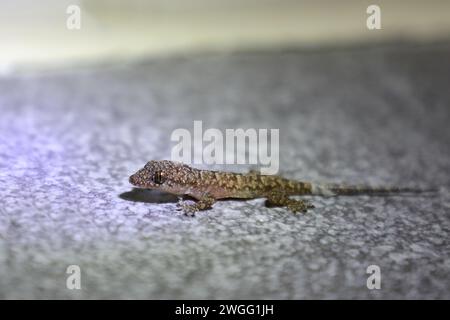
{"x": 83, "y": 109}
{"x": 35, "y": 34}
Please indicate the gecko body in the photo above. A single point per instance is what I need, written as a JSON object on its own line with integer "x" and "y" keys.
{"x": 207, "y": 186}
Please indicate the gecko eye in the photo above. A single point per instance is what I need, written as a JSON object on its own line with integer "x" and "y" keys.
{"x": 158, "y": 178}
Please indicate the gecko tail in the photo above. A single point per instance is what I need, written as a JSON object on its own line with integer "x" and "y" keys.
{"x": 332, "y": 189}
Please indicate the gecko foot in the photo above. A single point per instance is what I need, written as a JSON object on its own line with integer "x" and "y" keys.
{"x": 202, "y": 204}
{"x": 280, "y": 200}
{"x": 299, "y": 206}
{"x": 187, "y": 208}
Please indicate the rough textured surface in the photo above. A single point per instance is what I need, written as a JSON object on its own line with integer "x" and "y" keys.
{"x": 69, "y": 141}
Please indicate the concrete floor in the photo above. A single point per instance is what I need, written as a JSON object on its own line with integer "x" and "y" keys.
{"x": 70, "y": 140}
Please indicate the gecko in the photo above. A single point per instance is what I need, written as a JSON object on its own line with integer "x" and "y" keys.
{"x": 207, "y": 186}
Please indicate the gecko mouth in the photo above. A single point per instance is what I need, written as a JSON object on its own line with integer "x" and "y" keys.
{"x": 133, "y": 180}
{"x": 136, "y": 181}
{"x": 140, "y": 180}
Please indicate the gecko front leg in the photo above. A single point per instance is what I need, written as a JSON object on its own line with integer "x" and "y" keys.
{"x": 278, "y": 199}
{"x": 204, "y": 203}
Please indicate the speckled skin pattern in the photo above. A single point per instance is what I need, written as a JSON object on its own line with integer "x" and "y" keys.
{"x": 70, "y": 140}
{"x": 207, "y": 186}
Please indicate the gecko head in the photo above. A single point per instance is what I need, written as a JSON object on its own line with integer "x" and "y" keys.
{"x": 156, "y": 175}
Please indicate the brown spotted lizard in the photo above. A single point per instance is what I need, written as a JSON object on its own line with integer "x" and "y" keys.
{"x": 207, "y": 186}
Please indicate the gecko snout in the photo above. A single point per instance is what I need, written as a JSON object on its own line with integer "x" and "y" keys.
{"x": 138, "y": 178}
{"x": 132, "y": 179}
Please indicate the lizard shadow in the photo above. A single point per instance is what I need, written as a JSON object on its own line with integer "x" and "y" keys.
{"x": 148, "y": 196}
{"x": 155, "y": 196}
